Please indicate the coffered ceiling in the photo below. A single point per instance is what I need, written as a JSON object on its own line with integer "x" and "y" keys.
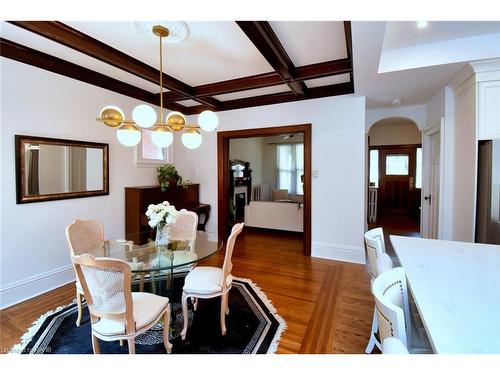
{"x": 219, "y": 66}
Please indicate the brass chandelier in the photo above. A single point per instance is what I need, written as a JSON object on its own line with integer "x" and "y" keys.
{"x": 144, "y": 116}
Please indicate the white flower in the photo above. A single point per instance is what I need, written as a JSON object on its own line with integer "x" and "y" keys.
{"x": 161, "y": 213}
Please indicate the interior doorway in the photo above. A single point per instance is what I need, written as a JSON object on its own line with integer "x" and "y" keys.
{"x": 395, "y": 176}
{"x": 227, "y": 166}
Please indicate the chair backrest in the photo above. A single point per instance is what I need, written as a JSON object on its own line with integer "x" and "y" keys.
{"x": 106, "y": 284}
{"x": 185, "y": 227}
{"x": 375, "y": 245}
{"x": 85, "y": 236}
{"x": 228, "y": 265}
{"x": 391, "y": 301}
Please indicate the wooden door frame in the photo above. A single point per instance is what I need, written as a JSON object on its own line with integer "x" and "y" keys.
{"x": 436, "y": 127}
{"x": 223, "y": 139}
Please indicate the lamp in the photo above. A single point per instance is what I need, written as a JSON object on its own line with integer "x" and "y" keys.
{"x": 144, "y": 116}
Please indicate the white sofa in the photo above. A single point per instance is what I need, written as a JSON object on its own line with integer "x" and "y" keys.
{"x": 275, "y": 215}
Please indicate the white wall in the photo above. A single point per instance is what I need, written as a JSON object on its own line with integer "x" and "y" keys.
{"x": 416, "y": 113}
{"x": 338, "y": 153}
{"x": 394, "y": 134}
{"x": 465, "y": 161}
{"x": 34, "y": 256}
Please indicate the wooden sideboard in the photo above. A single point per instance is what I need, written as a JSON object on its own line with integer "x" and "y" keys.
{"x": 138, "y": 198}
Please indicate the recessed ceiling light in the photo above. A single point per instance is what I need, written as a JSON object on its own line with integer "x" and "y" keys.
{"x": 421, "y": 24}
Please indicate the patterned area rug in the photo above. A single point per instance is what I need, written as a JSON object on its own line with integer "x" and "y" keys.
{"x": 253, "y": 326}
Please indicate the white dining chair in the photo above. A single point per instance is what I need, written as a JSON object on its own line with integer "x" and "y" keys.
{"x": 115, "y": 312}
{"x": 392, "y": 345}
{"x": 392, "y": 306}
{"x": 184, "y": 228}
{"x": 84, "y": 236}
{"x": 379, "y": 262}
{"x": 211, "y": 282}
{"x": 87, "y": 237}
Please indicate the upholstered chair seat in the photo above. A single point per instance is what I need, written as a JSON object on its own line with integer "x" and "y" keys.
{"x": 147, "y": 308}
{"x": 205, "y": 280}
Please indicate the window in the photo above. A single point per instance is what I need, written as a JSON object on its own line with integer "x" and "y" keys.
{"x": 290, "y": 167}
{"x": 374, "y": 168}
{"x": 396, "y": 165}
{"x": 418, "y": 172}
{"x": 148, "y": 154}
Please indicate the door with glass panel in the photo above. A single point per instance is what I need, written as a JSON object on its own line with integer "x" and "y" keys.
{"x": 397, "y": 170}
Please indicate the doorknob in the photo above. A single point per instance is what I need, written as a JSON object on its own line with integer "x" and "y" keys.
{"x": 428, "y": 198}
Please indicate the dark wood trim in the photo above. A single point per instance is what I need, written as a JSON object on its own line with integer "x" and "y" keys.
{"x": 416, "y": 145}
{"x": 223, "y": 175}
{"x": 259, "y": 32}
{"x": 21, "y": 140}
{"x": 316, "y": 92}
{"x": 81, "y": 42}
{"x": 264, "y": 38}
{"x": 348, "y": 45}
{"x": 53, "y": 64}
{"x": 302, "y": 73}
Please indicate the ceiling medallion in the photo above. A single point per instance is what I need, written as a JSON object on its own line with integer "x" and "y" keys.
{"x": 178, "y": 30}
{"x": 145, "y": 116}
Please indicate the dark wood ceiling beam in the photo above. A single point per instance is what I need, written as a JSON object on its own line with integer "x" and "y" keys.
{"x": 26, "y": 55}
{"x": 316, "y": 92}
{"x": 72, "y": 38}
{"x": 348, "y": 45}
{"x": 302, "y": 73}
{"x": 265, "y": 40}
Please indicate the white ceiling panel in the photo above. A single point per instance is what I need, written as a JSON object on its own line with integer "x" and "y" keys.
{"x": 414, "y": 86}
{"x": 39, "y": 43}
{"x": 400, "y": 34}
{"x": 188, "y": 102}
{"x": 212, "y": 52}
{"x": 254, "y": 92}
{"x": 325, "y": 81}
{"x": 311, "y": 42}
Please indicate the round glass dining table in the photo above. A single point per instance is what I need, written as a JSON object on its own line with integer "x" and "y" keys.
{"x": 154, "y": 267}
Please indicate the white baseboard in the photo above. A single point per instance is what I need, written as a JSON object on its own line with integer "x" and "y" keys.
{"x": 32, "y": 286}
{"x": 344, "y": 253}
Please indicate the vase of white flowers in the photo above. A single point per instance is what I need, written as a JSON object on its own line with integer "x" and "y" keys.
{"x": 160, "y": 217}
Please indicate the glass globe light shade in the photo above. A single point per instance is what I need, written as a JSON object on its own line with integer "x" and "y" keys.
{"x": 112, "y": 116}
{"x": 208, "y": 120}
{"x": 144, "y": 116}
{"x": 191, "y": 138}
{"x": 128, "y": 135}
{"x": 162, "y": 136}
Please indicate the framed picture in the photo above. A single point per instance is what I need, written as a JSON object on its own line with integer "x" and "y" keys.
{"x": 148, "y": 154}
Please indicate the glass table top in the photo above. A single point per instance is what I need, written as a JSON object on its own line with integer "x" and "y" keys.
{"x": 143, "y": 255}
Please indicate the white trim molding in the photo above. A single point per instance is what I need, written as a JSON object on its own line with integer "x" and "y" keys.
{"x": 29, "y": 287}
{"x": 343, "y": 253}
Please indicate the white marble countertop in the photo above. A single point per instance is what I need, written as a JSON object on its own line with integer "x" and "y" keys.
{"x": 456, "y": 287}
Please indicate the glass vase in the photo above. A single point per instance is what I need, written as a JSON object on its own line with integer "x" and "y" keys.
{"x": 163, "y": 232}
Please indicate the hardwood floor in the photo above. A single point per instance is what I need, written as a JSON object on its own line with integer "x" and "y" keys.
{"x": 398, "y": 225}
{"x": 327, "y": 305}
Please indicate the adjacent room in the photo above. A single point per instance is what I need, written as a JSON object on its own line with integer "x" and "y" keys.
{"x": 223, "y": 187}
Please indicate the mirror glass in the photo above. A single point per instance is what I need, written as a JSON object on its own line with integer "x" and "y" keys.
{"x": 49, "y": 169}
{"x": 53, "y": 169}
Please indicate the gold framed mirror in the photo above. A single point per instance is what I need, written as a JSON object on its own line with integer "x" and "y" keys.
{"x": 52, "y": 169}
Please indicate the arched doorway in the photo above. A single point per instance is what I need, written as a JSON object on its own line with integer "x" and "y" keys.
{"x": 395, "y": 175}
